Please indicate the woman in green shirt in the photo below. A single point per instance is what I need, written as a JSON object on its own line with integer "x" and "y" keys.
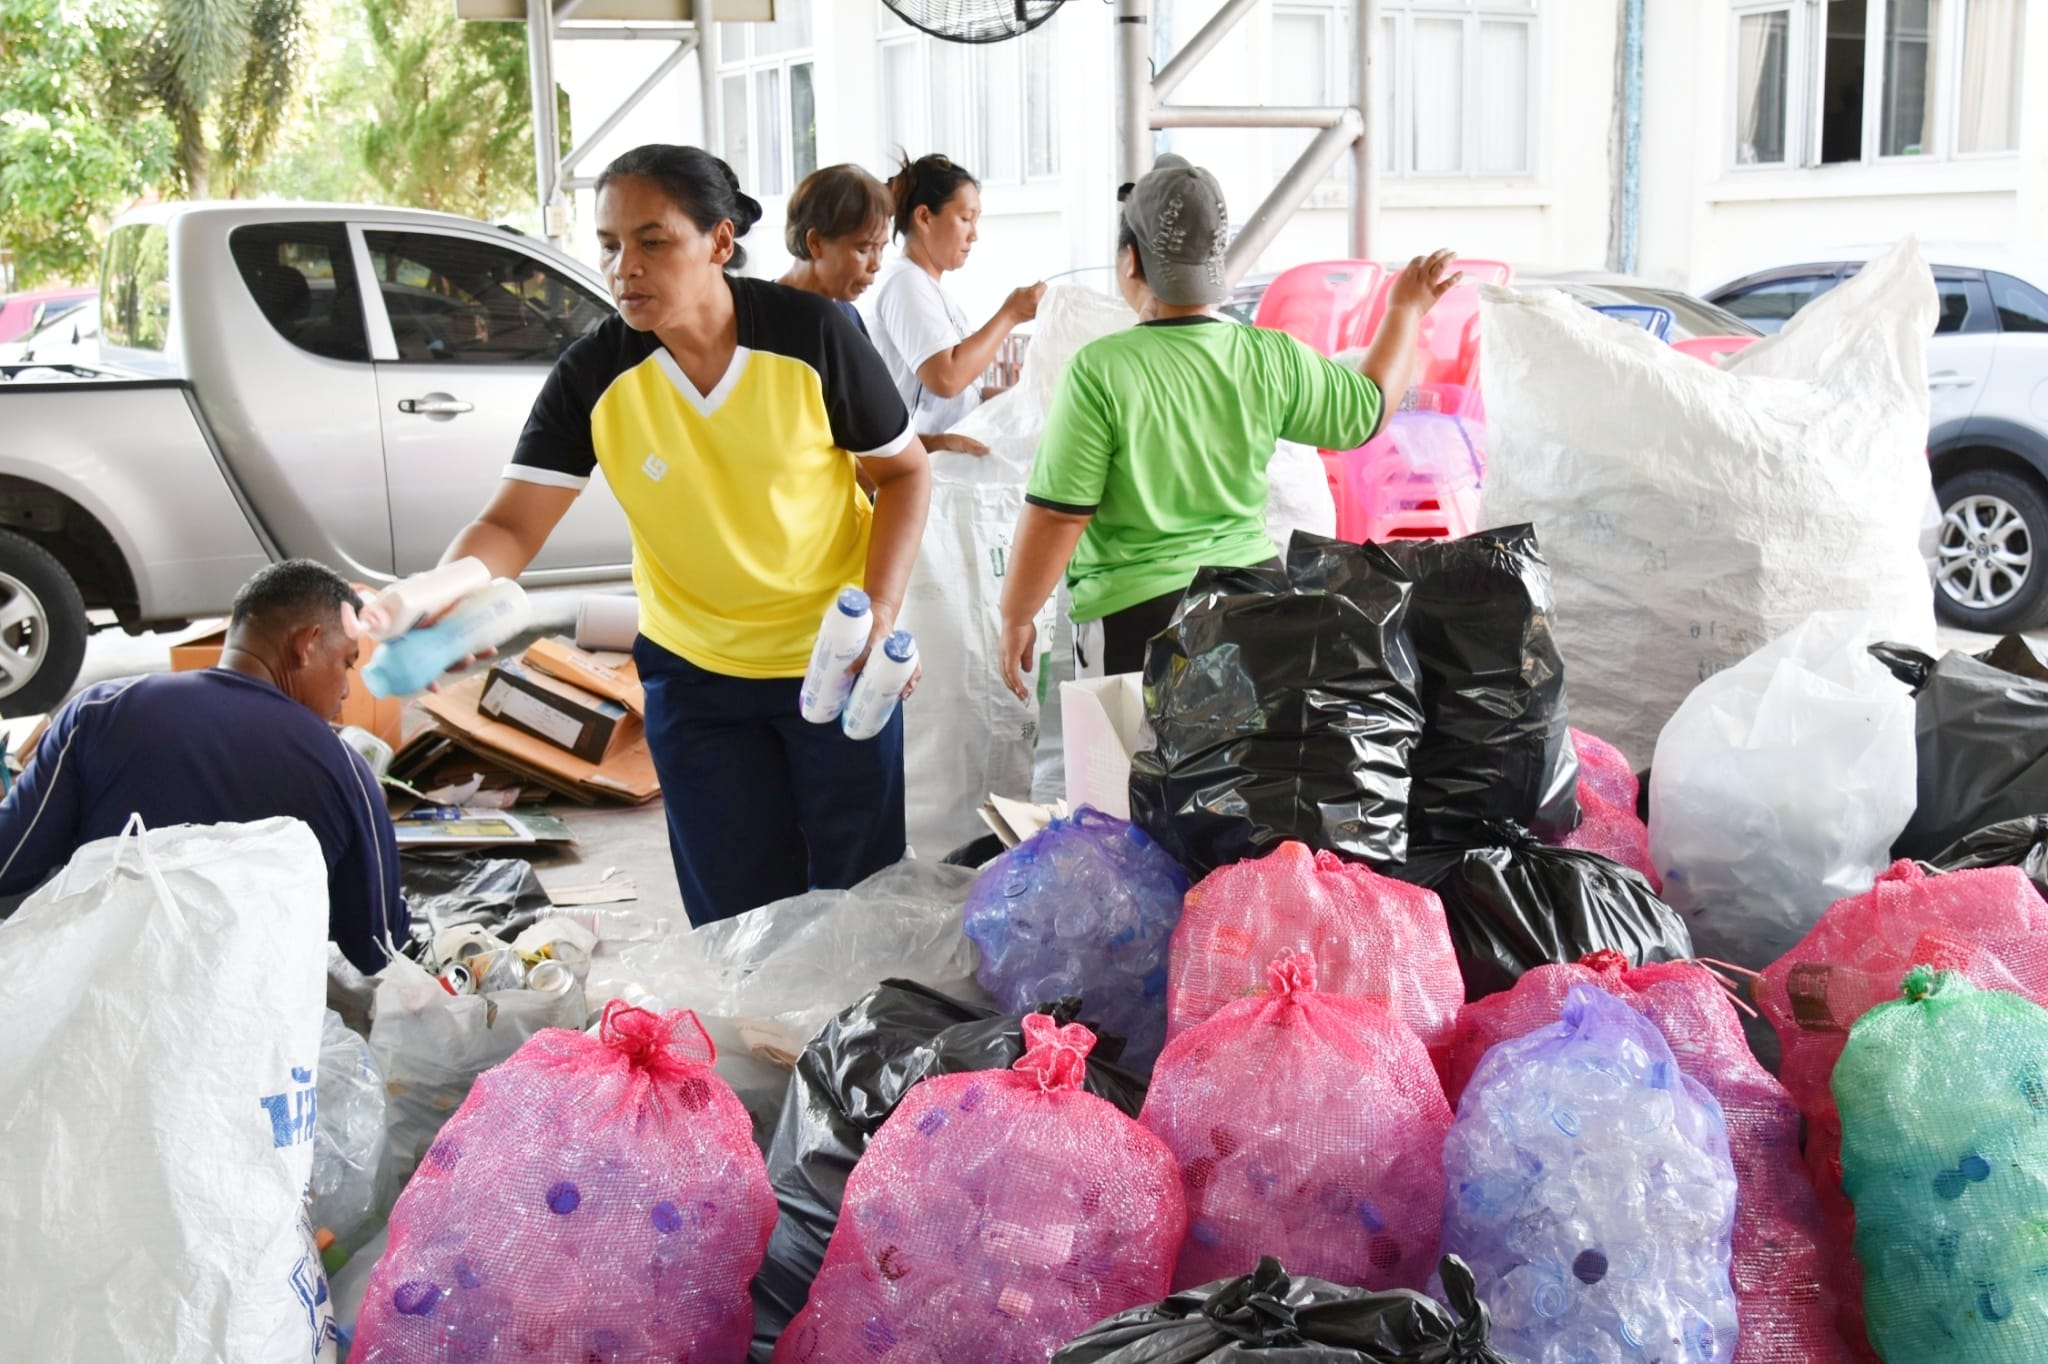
{"x": 1153, "y": 461}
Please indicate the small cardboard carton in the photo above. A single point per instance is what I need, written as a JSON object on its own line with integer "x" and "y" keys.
{"x": 1102, "y": 725}
{"x": 564, "y": 714}
{"x": 560, "y": 659}
{"x": 626, "y": 775}
{"x": 384, "y": 717}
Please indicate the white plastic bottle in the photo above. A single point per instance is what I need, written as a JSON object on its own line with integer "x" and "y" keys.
{"x": 844, "y": 633}
{"x": 401, "y": 606}
{"x": 411, "y": 662}
{"x": 880, "y": 687}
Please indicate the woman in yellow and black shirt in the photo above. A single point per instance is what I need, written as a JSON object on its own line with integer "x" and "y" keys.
{"x": 729, "y": 416}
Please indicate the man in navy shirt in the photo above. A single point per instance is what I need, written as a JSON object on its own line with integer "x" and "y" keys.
{"x": 247, "y": 740}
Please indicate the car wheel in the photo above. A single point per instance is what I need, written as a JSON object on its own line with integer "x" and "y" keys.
{"x": 1991, "y": 570}
{"x": 42, "y": 628}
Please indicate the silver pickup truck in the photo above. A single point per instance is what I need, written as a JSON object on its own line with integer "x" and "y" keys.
{"x": 335, "y": 382}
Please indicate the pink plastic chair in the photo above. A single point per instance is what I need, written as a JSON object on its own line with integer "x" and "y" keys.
{"x": 1324, "y": 303}
{"x": 1448, "y": 339}
{"x": 1417, "y": 480}
{"x": 1712, "y": 348}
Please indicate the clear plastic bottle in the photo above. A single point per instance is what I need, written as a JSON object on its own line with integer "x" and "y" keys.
{"x": 411, "y": 662}
{"x": 880, "y": 687}
{"x": 843, "y": 634}
{"x": 401, "y": 606}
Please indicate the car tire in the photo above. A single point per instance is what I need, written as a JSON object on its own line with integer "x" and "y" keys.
{"x": 42, "y": 625}
{"x": 1991, "y": 565}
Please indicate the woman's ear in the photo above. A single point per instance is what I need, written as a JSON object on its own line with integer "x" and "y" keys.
{"x": 814, "y": 243}
{"x": 723, "y": 242}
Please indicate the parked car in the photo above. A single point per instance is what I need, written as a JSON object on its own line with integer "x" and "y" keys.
{"x": 1987, "y": 384}
{"x": 335, "y": 381}
{"x": 66, "y": 336}
{"x": 22, "y": 313}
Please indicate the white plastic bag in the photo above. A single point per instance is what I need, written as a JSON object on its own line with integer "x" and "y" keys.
{"x": 1298, "y": 494}
{"x": 1691, "y": 513}
{"x": 161, "y": 1001}
{"x": 432, "y": 1046}
{"x": 965, "y": 735}
{"x": 351, "y": 1141}
{"x": 1779, "y": 787}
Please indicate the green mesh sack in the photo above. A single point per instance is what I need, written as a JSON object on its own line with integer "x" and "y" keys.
{"x": 1944, "y": 1103}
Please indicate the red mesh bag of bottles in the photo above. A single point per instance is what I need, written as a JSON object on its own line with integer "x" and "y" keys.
{"x": 1609, "y": 824}
{"x": 995, "y": 1216}
{"x": 1988, "y": 924}
{"x": 593, "y": 1198}
{"x": 1372, "y": 937}
{"x": 1785, "y": 1293}
{"x": 1309, "y": 1127}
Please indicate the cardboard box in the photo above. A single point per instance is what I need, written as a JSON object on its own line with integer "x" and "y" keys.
{"x": 564, "y": 714}
{"x": 1102, "y": 724}
{"x": 626, "y": 775}
{"x": 559, "y": 658}
{"x": 384, "y": 718}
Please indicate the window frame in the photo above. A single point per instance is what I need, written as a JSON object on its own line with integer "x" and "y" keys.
{"x": 750, "y": 68}
{"x": 920, "y": 140}
{"x": 1993, "y": 279}
{"x": 1806, "y": 62}
{"x": 377, "y": 317}
{"x": 1397, "y": 71}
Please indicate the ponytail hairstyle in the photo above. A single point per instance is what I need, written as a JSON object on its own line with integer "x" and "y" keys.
{"x": 838, "y": 201}
{"x": 695, "y": 181}
{"x": 928, "y": 182}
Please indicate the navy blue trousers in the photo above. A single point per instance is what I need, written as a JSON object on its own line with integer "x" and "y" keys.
{"x": 762, "y": 804}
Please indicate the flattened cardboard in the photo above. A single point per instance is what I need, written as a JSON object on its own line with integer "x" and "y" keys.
{"x": 1102, "y": 725}
{"x": 627, "y": 776}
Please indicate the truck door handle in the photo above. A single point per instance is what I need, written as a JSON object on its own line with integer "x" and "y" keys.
{"x": 1950, "y": 380}
{"x": 435, "y": 405}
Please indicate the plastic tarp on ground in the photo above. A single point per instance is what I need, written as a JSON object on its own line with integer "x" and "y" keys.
{"x": 1692, "y": 513}
{"x": 965, "y": 735}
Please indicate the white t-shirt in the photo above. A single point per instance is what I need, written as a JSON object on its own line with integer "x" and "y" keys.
{"x": 912, "y": 320}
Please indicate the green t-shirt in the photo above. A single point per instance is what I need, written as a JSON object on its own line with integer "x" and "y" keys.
{"x": 1163, "y": 432}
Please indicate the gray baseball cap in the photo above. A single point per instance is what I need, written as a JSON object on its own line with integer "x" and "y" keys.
{"x": 1177, "y": 214}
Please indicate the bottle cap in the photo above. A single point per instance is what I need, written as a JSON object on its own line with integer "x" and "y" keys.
{"x": 900, "y": 647}
{"x": 853, "y": 602}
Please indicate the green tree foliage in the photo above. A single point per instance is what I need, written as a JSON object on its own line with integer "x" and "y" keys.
{"x": 78, "y": 138}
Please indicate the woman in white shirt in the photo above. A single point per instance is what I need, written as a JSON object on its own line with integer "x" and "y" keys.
{"x": 923, "y": 336}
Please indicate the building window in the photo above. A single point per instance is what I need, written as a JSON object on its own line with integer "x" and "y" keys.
{"x": 768, "y": 99}
{"x": 1827, "y": 82}
{"x": 1457, "y": 85}
{"x": 991, "y": 107}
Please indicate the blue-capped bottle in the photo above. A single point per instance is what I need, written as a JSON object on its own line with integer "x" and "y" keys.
{"x": 881, "y": 686}
{"x": 413, "y": 661}
{"x": 843, "y": 634}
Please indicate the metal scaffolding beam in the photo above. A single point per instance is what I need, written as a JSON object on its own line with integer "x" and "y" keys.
{"x": 1142, "y": 110}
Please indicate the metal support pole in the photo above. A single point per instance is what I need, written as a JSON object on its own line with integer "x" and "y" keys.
{"x": 623, "y": 33}
{"x": 1201, "y": 45}
{"x": 1249, "y": 116}
{"x": 707, "y": 90}
{"x": 1365, "y": 32}
{"x": 1269, "y": 217}
{"x": 631, "y": 102}
{"x": 1133, "y": 88}
{"x": 547, "y": 140}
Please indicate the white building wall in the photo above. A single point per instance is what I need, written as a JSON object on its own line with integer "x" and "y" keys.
{"x": 1702, "y": 219}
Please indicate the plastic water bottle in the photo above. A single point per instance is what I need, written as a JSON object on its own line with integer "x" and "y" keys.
{"x": 401, "y": 606}
{"x": 844, "y": 633}
{"x": 880, "y": 688}
{"x": 411, "y": 662}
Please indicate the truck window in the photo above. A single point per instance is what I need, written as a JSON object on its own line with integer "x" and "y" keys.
{"x": 457, "y": 300}
{"x": 135, "y": 288}
{"x": 304, "y": 280}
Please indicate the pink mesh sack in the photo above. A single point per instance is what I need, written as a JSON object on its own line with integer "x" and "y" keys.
{"x": 1785, "y": 1294}
{"x": 1990, "y": 925}
{"x": 1610, "y": 825}
{"x": 593, "y": 1198}
{"x": 1309, "y": 1127}
{"x": 1372, "y": 937}
{"x": 995, "y": 1216}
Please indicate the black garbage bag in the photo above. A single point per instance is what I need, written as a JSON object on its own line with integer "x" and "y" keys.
{"x": 443, "y": 890}
{"x": 1284, "y": 704}
{"x": 1515, "y": 903}
{"x": 2021, "y": 843}
{"x": 1281, "y": 1320}
{"x": 1981, "y": 734}
{"x": 1496, "y": 742}
{"x": 847, "y": 1083}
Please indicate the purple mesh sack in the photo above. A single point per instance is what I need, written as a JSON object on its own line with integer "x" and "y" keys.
{"x": 593, "y": 1198}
